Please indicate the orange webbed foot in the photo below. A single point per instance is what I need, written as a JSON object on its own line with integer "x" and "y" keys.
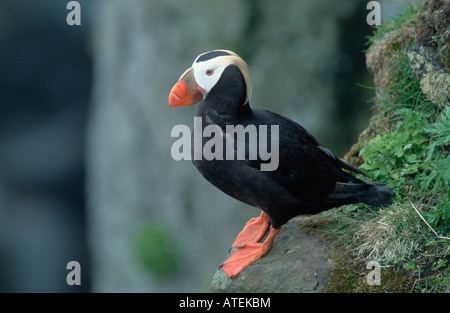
{"x": 247, "y": 252}
{"x": 253, "y": 230}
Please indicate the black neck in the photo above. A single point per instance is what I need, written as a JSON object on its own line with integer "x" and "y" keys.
{"x": 226, "y": 100}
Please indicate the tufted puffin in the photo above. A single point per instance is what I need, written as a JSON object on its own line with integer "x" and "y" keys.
{"x": 309, "y": 178}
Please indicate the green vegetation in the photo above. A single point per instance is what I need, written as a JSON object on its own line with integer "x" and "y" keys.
{"x": 156, "y": 250}
{"x": 412, "y": 159}
{"x": 407, "y": 146}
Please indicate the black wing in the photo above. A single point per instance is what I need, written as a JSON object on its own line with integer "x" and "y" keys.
{"x": 306, "y": 168}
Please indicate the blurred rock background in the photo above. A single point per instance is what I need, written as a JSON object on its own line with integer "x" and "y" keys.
{"x": 45, "y": 81}
{"x": 85, "y": 167}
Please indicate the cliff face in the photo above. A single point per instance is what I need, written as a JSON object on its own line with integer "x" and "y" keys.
{"x": 407, "y": 144}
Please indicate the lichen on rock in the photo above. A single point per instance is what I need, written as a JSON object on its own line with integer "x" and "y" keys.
{"x": 434, "y": 80}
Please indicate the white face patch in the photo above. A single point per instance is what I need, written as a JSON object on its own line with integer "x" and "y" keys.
{"x": 209, "y": 69}
{"x": 207, "y": 73}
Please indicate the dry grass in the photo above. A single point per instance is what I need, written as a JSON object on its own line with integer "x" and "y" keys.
{"x": 395, "y": 236}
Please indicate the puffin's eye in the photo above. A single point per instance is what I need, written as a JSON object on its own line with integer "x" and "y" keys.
{"x": 209, "y": 72}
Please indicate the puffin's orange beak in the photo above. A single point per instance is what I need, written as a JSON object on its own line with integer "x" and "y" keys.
{"x": 186, "y": 91}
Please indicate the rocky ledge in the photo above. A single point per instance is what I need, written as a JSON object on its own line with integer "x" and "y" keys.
{"x": 297, "y": 262}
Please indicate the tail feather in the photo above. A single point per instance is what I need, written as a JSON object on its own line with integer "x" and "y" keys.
{"x": 379, "y": 194}
{"x": 368, "y": 192}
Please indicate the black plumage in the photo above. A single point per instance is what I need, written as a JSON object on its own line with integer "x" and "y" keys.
{"x": 309, "y": 178}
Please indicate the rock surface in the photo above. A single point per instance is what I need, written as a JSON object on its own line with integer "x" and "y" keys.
{"x": 297, "y": 262}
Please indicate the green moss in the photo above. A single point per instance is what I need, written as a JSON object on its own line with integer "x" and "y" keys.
{"x": 349, "y": 275}
{"x": 349, "y": 271}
